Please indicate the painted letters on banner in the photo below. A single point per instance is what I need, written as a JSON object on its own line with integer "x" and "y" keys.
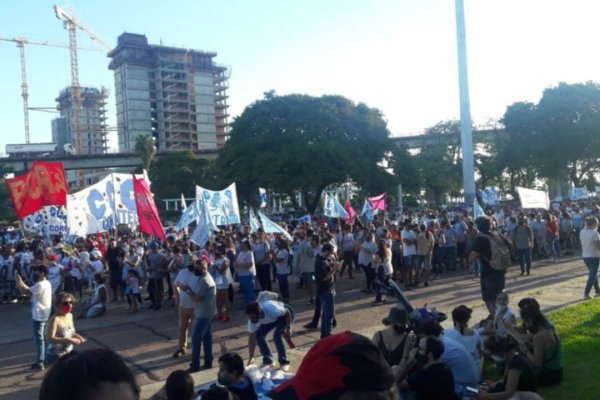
{"x": 102, "y": 206}
{"x": 50, "y": 220}
{"x": 221, "y": 206}
{"x": 533, "y": 198}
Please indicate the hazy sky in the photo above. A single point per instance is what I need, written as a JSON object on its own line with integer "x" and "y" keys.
{"x": 396, "y": 55}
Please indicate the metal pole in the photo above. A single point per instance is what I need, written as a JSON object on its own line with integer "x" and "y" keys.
{"x": 24, "y": 90}
{"x": 466, "y": 134}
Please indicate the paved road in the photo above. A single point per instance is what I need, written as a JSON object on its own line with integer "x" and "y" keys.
{"x": 147, "y": 340}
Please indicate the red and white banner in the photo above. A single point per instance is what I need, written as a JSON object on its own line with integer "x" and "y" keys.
{"x": 43, "y": 185}
{"x": 146, "y": 209}
{"x": 378, "y": 202}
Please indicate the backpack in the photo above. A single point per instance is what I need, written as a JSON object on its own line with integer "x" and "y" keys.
{"x": 500, "y": 260}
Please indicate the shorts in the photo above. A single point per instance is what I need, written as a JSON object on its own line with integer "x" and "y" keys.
{"x": 492, "y": 285}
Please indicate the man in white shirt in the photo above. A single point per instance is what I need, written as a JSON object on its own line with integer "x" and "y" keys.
{"x": 185, "y": 278}
{"x": 590, "y": 252}
{"x": 409, "y": 246}
{"x": 41, "y": 303}
{"x": 367, "y": 249}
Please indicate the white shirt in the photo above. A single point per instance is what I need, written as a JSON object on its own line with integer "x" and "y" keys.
{"x": 282, "y": 267}
{"x": 273, "y": 310}
{"x": 185, "y": 277}
{"x": 97, "y": 267}
{"x": 365, "y": 258}
{"x": 41, "y": 300}
{"x": 588, "y": 238}
{"x": 409, "y": 249}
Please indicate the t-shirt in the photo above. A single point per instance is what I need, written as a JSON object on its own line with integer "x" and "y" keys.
{"x": 307, "y": 257}
{"x": 365, "y": 258}
{"x": 185, "y": 277}
{"x": 283, "y": 267}
{"x": 433, "y": 383}
{"x": 409, "y": 249}
{"x": 244, "y": 390}
{"x": 450, "y": 236}
{"x": 347, "y": 242}
{"x": 41, "y": 300}
{"x": 260, "y": 252}
{"x": 245, "y": 257}
{"x": 470, "y": 343}
{"x": 273, "y": 310}
{"x": 588, "y": 247}
{"x": 324, "y": 265}
{"x": 205, "y": 287}
{"x": 54, "y": 276}
{"x": 458, "y": 359}
{"x": 483, "y": 247}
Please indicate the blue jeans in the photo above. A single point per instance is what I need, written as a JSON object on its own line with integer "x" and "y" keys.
{"x": 202, "y": 336}
{"x": 284, "y": 287}
{"x": 261, "y": 340}
{"x": 554, "y": 245}
{"x": 383, "y": 278}
{"x": 327, "y": 305}
{"x": 246, "y": 283}
{"x": 450, "y": 254}
{"x": 524, "y": 259}
{"x": 592, "y": 265}
{"x": 39, "y": 338}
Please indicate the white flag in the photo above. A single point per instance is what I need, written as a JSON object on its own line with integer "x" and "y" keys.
{"x": 254, "y": 223}
{"x": 271, "y": 227}
{"x": 262, "y": 195}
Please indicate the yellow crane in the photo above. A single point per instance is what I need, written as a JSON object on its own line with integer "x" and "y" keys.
{"x": 21, "y": 42}
{"x": 72, "y": 24}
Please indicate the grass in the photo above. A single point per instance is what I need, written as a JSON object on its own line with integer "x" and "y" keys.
{"x": 579, "y": 328}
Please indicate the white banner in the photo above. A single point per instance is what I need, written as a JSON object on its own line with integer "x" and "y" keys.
{"x": 579, "y": 193}
{"x": 489, "y": 196}
{"x": 102, "y": 206}
{"x": 533, "y": 198}
{"x": 50, "y": 220}
{"x": 221, "y": 206}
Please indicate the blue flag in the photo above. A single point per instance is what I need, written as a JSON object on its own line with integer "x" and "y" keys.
{"x": 254, "y": 223}
{"x": 477, "y": 210}
{"x": 271, "y": 227}
{"x": 201, "y": 234}
{"x": 367, "y": 212}
{"x": 332, "y": 207}
{"x": 189, "y": 216}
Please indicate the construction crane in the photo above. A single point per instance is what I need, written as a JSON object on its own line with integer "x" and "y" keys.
{"x": 21, "y": 42}
{"x": 72, "y": 24}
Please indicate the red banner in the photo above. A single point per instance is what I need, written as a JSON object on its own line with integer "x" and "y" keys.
{"x": 350, "y": 211}
{"x": 43, "y": 185}
{"x": 146, "y": 209}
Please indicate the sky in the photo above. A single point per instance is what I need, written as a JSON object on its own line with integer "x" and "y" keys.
{"x": 395, "y": 55}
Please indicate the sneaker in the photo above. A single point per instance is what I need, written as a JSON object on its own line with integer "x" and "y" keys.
{"x": 311, "y": 326}
{"x": 587, "y": 297}
{"x": 179, "y": 353}
{"x": 334, "y": 323}
{"x": 37, "y": 367}
{"x": 378, "y": 303}
{"x": 285, "y": 367}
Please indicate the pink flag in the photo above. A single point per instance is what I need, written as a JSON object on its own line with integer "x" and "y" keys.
{"x": 378, "y": 202}
{"x": 350, "y": 211}
{"x": 146, "y": 209}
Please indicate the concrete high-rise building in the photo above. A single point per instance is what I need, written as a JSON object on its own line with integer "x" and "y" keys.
{"x": 92, "y": 120}
{"x": 176, "y": 95}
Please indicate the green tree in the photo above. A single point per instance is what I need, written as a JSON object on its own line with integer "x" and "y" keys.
{"x": 7, "y": 212}
{"x": 146, "y": 148}
{"x": 303, "y": 143}
{"x": 406, "y": 170}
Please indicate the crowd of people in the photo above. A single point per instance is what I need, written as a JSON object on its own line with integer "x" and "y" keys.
{"x": 412, "y": 249}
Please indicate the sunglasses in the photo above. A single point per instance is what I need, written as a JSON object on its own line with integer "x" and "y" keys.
{"x": 66, "y": 303}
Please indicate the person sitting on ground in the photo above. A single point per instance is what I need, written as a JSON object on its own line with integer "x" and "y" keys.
{"x": 518, "y": 373}
{"x": 344, "y": 366}
{"x": 61, "y": 330}
{"x": 179, "y": 386}
{"x": 98, "y": 374}
{"x": 463, "y": 334}
{"x": 545, "y": 350}
{"x": 231, "y": 375}
{"x": 434, "y": 379}
{"x": 455, "y": 356}
{"x": 504, "y": 316}
{"x": 96, "y": 306}
{"x": 394, "y": 341}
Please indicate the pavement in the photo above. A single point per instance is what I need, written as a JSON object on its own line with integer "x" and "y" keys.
{"x": 146, "y": 340}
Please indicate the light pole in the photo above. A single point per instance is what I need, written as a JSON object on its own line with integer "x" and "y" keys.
{"x": 466, "y": 134}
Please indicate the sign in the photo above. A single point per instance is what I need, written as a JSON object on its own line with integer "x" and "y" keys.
{"x": 579, "y": 193}
{"x": 50, "y": 220}
{"x": 533, "y": 198}
{"x": 221, "y": 206}
{"x": 489, "y": 197}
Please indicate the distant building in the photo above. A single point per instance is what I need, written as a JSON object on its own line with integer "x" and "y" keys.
{"x": 176, "y": 95}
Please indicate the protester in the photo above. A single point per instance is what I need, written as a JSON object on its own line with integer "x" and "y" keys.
{"x": 231, "y": 375}
{"x": 522, "y": 237}
{"x": 245, "y": 269}
{"x": 114, "y": 258}
{"x": 347, "y": 244}
{"x": 409, "y": 250}
{"x": 326, "y": 267}
{"x": 590, "y": 252}
{"x": 262, "y": 254}
{"x": 365, "y": 261}
{"x": 178, "y": 386}
{"x": 282, "y": 265}
{"x": 61, "y": 329}
{"x": 395, "y": 341}
{"x": 41, "y": 304}
{"x": 96, "y": 306}
{"x": 382, "y": 260}
{"x": 465, "y": 335}
{"x": 306, "y": 263}
{"x": 425, "y": 245}
{"x": 97, "y": 374}
{"x": 185, "y": 304}
{"x": 223, "y": 279}
{"x": 156, "y": 265}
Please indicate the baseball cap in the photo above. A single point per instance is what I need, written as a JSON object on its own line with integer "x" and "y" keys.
{"x": 345, "y": 361}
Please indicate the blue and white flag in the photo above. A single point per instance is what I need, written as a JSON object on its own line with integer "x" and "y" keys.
{"x": 489, "y": 196}
{"x": 262, "y": 196}
{"x": 189, "y": 215}
{"x": 305, "y": 218}
{"x": 477, "y": 210}
{"x": 579, "y": 193}
{"x": 271, "y": 227}
{"x": 221, "y": 206}
{"x": 367, "y": 212}
{"x": 201, "y": 234}
{"x": 254, "y": 222}
{"x": 332, "y": 207}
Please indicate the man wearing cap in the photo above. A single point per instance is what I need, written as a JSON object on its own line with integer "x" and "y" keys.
{"x": 340, "y": 366}
{"x": 41, "y": 304}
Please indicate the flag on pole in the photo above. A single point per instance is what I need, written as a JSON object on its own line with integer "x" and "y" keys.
{"x": 183, "y": 203}
{"x": 350, "y": 211}
{"x": 201, "y": 234}
{"x": 271, "y": 227}
{"x": 332, "y": 207}
{"x": 367, "y": 211}
{"x": 146, "y": 209}
{"x": 189, "y": 215}
{"x": 262, "y": 196}
{"x": 477, "y": 210}
{"x": 254, "y": 222}
{"x": 378, "y": 202}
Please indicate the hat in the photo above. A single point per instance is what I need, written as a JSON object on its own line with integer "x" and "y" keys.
{"x": 346, "y": 361}
{"x": 396, "y": 315}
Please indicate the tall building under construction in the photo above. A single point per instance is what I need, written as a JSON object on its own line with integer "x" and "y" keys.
{"x": 176, "y": 95}
{"x": 91, "y": 124}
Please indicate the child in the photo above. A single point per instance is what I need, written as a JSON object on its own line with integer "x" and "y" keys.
{"x": 133, "y": 290}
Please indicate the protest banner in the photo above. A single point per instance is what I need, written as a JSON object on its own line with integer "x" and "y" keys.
{"x": 221, "y": 206}
{"x": 531, "y": 198}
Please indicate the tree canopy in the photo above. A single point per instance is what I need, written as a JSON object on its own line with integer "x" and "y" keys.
{"x": 303, "y": 143}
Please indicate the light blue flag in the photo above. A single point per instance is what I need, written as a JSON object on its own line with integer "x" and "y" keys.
{"x": 340, "y": 210}
{"x": 201, "y": 234}
{"x": 367, "y": 212}
{"x": 254, "y": 223}
{"x": 262, "y": 196}
{"x": 189, "y": 216}
{"x": 271, "y": 227}
{"x": 304, "y": 219}
{"x": 477, "y": 210}
{"x": 332, "y": 207}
